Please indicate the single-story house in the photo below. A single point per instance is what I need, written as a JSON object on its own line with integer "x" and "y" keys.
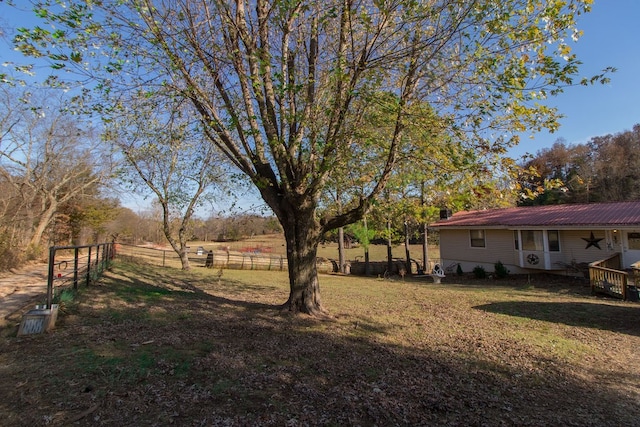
{"x": 550, "y": 238}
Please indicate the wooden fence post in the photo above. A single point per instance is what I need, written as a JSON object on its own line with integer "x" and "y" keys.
{"x": 75, "y": 268}
{"x": 52, "y": 256}
{"x": 89, "y": 266}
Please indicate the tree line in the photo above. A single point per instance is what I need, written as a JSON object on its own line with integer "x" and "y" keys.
{"x": 56, "y": 180}
{"x": 48, "y": 172}
{"x": 604, "y": 169}
{"x": 146, "y": 227}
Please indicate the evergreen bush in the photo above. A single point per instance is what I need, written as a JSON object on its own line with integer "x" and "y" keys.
{"x": 479, "y": 272}
{"x": 500, "y": 270}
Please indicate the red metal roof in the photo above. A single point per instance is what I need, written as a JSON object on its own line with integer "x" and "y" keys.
{"x": 569, "y": 215}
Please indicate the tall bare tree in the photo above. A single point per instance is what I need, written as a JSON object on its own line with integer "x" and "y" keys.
{"x": 166, "y": 154}
{"x": 48, "y": 157}
{"x": 281, "y": 86}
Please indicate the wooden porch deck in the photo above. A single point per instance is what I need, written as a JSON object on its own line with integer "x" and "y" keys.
{"x": 607, "y": 277}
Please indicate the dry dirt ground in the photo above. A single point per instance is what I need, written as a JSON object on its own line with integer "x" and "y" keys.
{"x": 20, "y": 290}
{"x": 147, "y": 347}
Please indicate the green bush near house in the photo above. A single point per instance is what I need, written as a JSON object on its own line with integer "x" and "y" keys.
{"x": 479, "y": 272}
{"x": 500, "y": 270}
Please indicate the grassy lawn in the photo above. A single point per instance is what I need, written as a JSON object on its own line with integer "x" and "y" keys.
{"x": 154, "y": 346}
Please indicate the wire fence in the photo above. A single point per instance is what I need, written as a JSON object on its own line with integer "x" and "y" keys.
{"x": 226, "y": 259}
{"x": 71, "y": 265}
{"x": 241, "y": 259}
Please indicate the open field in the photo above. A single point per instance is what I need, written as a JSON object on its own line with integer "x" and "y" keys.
{"x": 153, "y": 346}
{"x": 267, "y": 252}
{"x": 274, "y": 243}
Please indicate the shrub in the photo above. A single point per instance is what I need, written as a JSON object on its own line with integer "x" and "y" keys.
{"x": 34, "y": 252}
{"x": 479, "y": 272}
{"x": 10, "y": 256}
{"x": 459, "y": 271}
{"x": 500, "y": 270}
{"x": 65, "y": 298}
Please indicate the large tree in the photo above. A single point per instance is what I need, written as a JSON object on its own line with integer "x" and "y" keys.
{"x": 281, "y": 86}
{"x": 49, "y": 157}
{"x": 166, "y": 153}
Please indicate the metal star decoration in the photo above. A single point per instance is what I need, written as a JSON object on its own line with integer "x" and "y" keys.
{"x": 592, "y": 241}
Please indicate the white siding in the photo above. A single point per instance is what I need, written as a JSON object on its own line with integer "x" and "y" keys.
{"x": 455, "y": 246}
{"x": 573, "y": 248}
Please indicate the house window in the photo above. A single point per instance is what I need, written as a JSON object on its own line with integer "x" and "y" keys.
{"x": 516, "y": 240}
{"x": 634, "y": 241}
{"x": 477, "y": 238}
{"x": 532, "y": 240}
{"x": 554, "y": 240}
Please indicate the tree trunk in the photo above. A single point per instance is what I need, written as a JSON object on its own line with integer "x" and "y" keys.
{"x": 425, "y": 229}
{"x": 389, "y": 248}
{"x": 367, "y": 264}
{"x": 341, "y": 257}
{"x": 302, "y": 237}
{"x": 425, "y": 249}
{"x": 179, "y": 245}
{"x": 43, "y": 222}
{"x": 406, "y": 248}
{"x": 184, "y": 251}
{"x": 184, "y": 259}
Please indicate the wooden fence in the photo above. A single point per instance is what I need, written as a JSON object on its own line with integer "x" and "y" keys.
{"x": 220, "y": 259}
{"x": 606, "y": 277}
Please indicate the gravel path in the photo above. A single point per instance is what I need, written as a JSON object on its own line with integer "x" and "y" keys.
{"x": 20, "y": 290}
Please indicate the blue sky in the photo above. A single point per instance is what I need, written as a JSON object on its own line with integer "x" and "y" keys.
{"x": 611, "y": 38}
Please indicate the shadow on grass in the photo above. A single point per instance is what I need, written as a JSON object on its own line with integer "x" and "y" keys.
{"x": 611, "y": 317}
{"x": 227, "y": 361}
{"x": 204, "y": 295}
{"x": 147, "y": 284}
{"x": 547, "y": 282}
